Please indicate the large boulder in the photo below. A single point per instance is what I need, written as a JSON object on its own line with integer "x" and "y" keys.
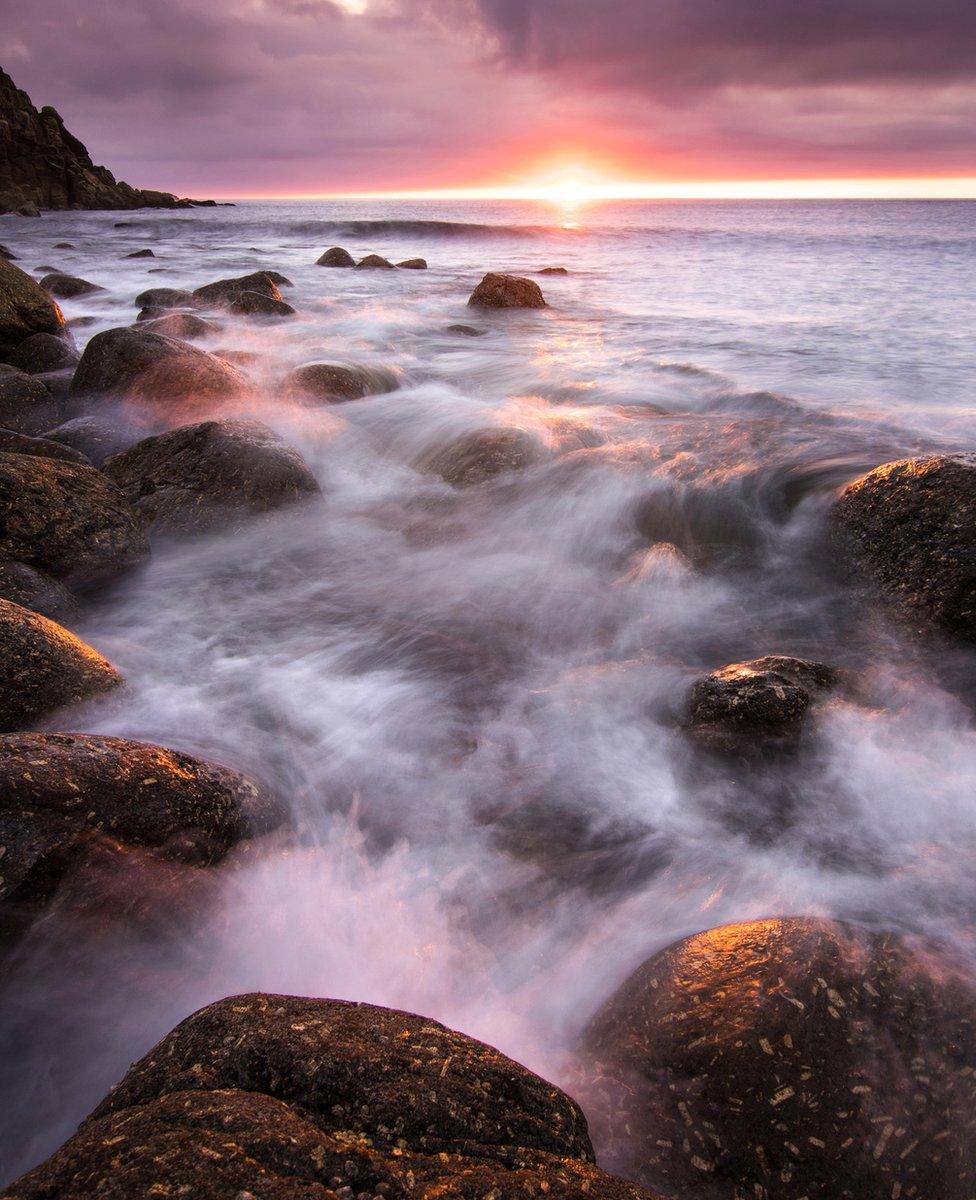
{"x": 335, "y": 256}
{"x": 333, "y": 382}
{"x": 131, "y": 364}
{"x": 26, "y": 405}
{"x": 164, "y": 297}
{"x": 788, "y": 1059}
{"x": 25, "y": 308}
{"x": 44, "y": 352}
{"x": 31, "y": 588}
{"x": 285, "y": 1097}
{"x": 480, "y": 455}
{"x": 93, "y": 437}
{"x": 44, "y": 667}
{"x": 224, "y": 292}
{"x": 201, "y": 477}
{"x": 68, "y": 287}
{"x": 257, "y": 304}
{"x": 67, "y": 519}
{"x": 183, "y": 326}
{"x": 911, "y": 527}
{"x": 507, "y": 291}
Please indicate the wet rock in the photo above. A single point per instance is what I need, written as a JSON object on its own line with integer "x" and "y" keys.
{"x": 413, "y": 264}
{"x": 507, "y": 291}
{"x": 65, "y": 246}
{"x": 25, "y": 308}
{"x": 20, "y": 443}
{"x": 790, "y": 1058}
{"x": 281, "y": 1096}
{"x": 140, "y": 254}
{"x": 179, "y": 325}
{"x": 225, "y": 292}
{"x": 553, "y": 271}
{"x": 67, "y": 519}
{"x": 481, "y": 455}
{"x": 44, "y": 667}
{"x": 333, "y": 382}
{"x": 29, "y": 209}
{"x": 204, "y": 476}
{"x": 93, "y": 437}
{"x": 67, "y": 287}
{"x": 911, "y": 527}
{"x": 257, "y": 304}
{"x": 44, "y": 352}
{"x": 83, "y": 322}
{"x": 335, "y": 256}
{"x": 33, "y": 589}
{"x": 132, "y": 364}
{"x": 163, "y": 297}
{"x": 466, "y": 330}
{"x": 278, "y": 278}
{"x": 26, "y": 405}
{"x": 7, "y": 253}
{"x": 375, "y": 262}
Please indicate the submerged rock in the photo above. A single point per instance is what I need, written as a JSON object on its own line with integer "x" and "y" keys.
{"x": 553, "y": 271}
{"x": 507, "y": 291}
{"x": 67, "y": 287}
{"x": 67, "y": 519}
{"x": 413, "y": 264}
{"x": 25, "y": 308}
{"x": 333, "y": 382}
{"x": 375, "y": 262}
{"x": 335, "y": 256}
{"x": 200, "y": 477}
{"x": 44, "y": 352}
{"x": 26, "y": 405}
{"x": 163, "y": 297}
{"x": 790, "y": 1058}
{"x": 466, "y": 330}
{"x": 225, "y": 292}
{"x": 911, "y": 526}
{"x": 478, "y": 456}
{"x": 282, "y": 1096}
{"x": 44, "y": 667}
{"x": 181, "y": 326}
{"x": 257, "y": 304}
{"x": 140, "y": 254}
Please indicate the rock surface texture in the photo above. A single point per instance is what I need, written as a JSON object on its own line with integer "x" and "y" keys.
{"x": 25, "y": 309}
{"x": 507, "y": 291}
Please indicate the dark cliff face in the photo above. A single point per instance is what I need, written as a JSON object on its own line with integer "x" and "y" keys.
{"x": 42, "y": 165}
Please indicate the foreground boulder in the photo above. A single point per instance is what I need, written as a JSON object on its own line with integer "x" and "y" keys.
{"x": 25, "y": 308}
{"x": 26, "y": 405}
{"x": 44, "y": 352}
{"x": 507, "y": 291}
{"x": 225, "y": 292}
{"x": 911, "y": 527}
{"x": 66, "y": 519}
{"x": 201, "y": 477}
{"x": 44, "y": 667}
{"x": 136, "y": 365}
{"x": 67, "y": 287}
{"x": 286, "y": 1097}
{"x": 481, "y": 455}
{"x": 787, "y": 1059}
{"x": 333, "y": 382}
{"x": 335, "y": 256}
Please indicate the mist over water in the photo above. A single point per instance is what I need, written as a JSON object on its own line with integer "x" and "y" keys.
{"x": 472, "y": 697}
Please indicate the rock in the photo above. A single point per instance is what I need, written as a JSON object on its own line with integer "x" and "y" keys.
{"x": 374, "y": 262}
{"x": 44, "y": 667}
{"x": 225, "y": 292}
{"x": 46, "y": 269}
{"x": 790, "y": 1058}
{"x": 131, "y": 364}
{"x": 333, "y": 382}
{"x": 93, "y": 437}
{"x": 20, "y": 443}
{"x": 65, "y": 246}
{"x": 25, "y": 308}
{"x": 336, "y": 257}
{"x": 44, "y": 352}
{"x": 200, "y": 477}
{"x": 26, "y": 405}
{"x": 179, "y": 325}
{"x": 7, "y": 253}
{"x": 480, "y": 455}
{"x": 83, "y": 322}
{"x": 911, "y": 527}
{"x": 413, "y": 264}
{"x": 302, "y": 1099}
{"x": 765, "y": 698}
{"x": 140, "y": 254}
{"x": 466, "y": 330}
{"x": 30, "y": 588}
{"x": 278, "y": 278}
{"x": 506, "y": 291}
{"x": 163, "y": 297}
{"x": 66, "y": 287}
{"x": 29, "y": 209}
{"x": 67, "y": 519}
{"x": 257, "y": 304}
{"x": 553, "y": 271}
{"x": 58, "y": 383}
{"x": 42, "y": 164}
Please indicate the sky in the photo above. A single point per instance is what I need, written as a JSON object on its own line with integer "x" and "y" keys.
{"x": 234, "y": 98}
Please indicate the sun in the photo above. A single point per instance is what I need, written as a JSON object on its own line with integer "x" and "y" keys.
{"x": 569, "y": 192}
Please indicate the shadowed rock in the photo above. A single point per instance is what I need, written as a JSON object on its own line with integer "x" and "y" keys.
{"x": 44, "y": 667}
{"x": 335, "y": 256}
{"x": 413, "y": 264}
{"x": 911, "y": 527}
{"x": 163, "y": 297}
{"x": 93, "y": 437}
{"x": 333, "y": 382}
{"x": 328, "y": 1100}
{"x": 201, "y": 477}
{"x": 466, "y": 330}
{"x": 20, "y": 443}
{"x": 373, "y": 262}
{"x": 225, "y": 292}
{"x": 181, "y": 326}
{"x": 44, "y": 352}
{"x": 478, "y": 456}
{"x": 7, "y": 253}
{"x": 34, "y": 589}
{"x": 140, "y": 254}
{"x": 789, "y": 1058}
{"x": 25, "y": 308}
{"x": 257, "y": 304}
{"x": 26, "y": 405}
{"x": 507, "y": 291}
{"x": 67, "y": 287}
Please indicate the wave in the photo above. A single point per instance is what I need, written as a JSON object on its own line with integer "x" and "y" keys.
{"x": 416, "y": 227}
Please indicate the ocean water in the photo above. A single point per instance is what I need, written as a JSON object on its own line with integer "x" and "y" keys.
{"x": 472, "y": 698}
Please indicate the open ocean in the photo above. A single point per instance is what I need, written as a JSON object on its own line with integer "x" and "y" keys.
{"x": 472, "y": 698}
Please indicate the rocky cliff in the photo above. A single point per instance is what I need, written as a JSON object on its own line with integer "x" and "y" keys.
{"x": 42, "y": 165}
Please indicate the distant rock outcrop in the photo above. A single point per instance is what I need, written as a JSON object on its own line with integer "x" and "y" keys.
{"x": 42, "y": 165}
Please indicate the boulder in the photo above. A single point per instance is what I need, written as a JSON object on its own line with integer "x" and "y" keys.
{"x": 163, "y": 297}
{"x": 133, "y": 364}
{"x": 44, "y": 352}
{"x": 201, "y": 477}
{"x": 25, "y": 308}
{"x": 67, "y": 287}
{"x": 93, "y": 437}
{"x": 257, "y": 304}
{"x": 26, "y": 405}
{"x": 374, "y": 262}
{"x": 83, "y": 322}
{"x": 182, "y": 326}
{"x": 910, "y": 526}
{"x": 466, "y": 330}
{"x": 278, "y": 278}
{"x": 333, "y": 382}
{"x": 553, "y": 271}
{"x": 20, "y": 443}
{"x": 31, "y": 588}
{"x": 413, "y": 264}
{"x": 287, "y": 1097}
{"x": 44, "y": 667}
{"x": 335, "y": 256}
{"x": 67, "y": 519}
{"x": 481, "y": 455}
{"x": 140, "y": 254}
{"x": 507, "y": 291}
{"x": 224, "y": 292}
{"x": 790, "y": 1058}
{"x": 7, "y": 253}
{"x": 65, "y": 246}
